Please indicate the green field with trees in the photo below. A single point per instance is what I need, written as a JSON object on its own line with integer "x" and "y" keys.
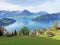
{"x": 49, "y": 36}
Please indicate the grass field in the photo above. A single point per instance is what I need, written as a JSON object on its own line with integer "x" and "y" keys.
{"x": 28, "y": 41}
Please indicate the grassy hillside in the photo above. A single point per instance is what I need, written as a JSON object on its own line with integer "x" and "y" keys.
{"x": 28, "y": 41}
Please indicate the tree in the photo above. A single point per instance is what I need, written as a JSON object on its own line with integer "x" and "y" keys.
{"x": 12, "y": 34}
{"x": 24, "y": 31}
{"x": 55, "y": 26}
{"x": 15, "y": 33}
{"x": 1, "y": 30}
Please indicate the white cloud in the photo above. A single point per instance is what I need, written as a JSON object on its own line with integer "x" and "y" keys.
{"x": 7, "y": 6}
{"x": 48, "y": 6}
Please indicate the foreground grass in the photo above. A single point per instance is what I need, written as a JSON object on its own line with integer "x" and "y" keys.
{"x": 28, "y": 41}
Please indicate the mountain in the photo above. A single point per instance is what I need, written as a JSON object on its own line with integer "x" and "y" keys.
{"x": 26, "y": 12}
{"x": 41, "y": 13}
{"x": 48, "y": 17}
{"x": 6, "y": 21}
{"x": 4, "y": 13}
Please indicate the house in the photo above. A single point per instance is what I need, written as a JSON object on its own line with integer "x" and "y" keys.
{"x": 36, "y": 32}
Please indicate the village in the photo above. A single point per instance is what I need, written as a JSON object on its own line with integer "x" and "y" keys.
{"x": 49, "y": 32}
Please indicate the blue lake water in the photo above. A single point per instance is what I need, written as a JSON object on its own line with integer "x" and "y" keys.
{"x": 20, "y": 22}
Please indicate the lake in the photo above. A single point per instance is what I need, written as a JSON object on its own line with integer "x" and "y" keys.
{"x": 20, "y": 22}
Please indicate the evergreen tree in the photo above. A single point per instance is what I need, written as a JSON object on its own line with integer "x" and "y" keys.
{"x": 15, "y": 33}
{"x": 12, "y": 34}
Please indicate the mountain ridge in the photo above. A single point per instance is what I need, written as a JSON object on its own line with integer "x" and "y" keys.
{"x": 48, "y": 17}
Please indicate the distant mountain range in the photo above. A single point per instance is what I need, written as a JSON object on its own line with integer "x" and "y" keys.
{"x": 41, "y": 15}
{"x": 48, "y": 17}
{"x": 4, "y": 13}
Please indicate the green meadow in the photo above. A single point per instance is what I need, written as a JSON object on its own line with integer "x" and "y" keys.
{"x": 28, "y": 41}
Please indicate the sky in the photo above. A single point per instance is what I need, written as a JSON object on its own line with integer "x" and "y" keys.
{"x": 50, "y": 6}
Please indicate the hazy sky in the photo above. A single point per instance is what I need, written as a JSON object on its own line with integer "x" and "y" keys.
{"x": 50, "y": 6}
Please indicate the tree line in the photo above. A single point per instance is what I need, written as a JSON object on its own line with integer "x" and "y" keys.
{"x": 23, "y": 31}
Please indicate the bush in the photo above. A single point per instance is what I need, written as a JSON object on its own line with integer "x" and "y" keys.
{"x": 50, "y": 34}
{"x": 8, "y": 34}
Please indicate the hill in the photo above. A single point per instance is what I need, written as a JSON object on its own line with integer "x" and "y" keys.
{"x": 6, "y": 21}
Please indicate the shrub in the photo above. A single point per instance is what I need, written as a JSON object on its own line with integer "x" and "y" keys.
{"x": 50, "y": 34}
{"x": 8, "y": 34}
